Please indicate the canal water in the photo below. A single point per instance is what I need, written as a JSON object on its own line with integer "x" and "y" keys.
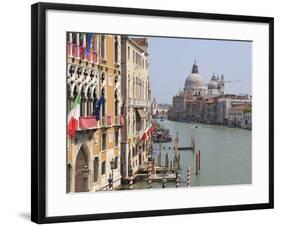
{"x": 225, "y": 154}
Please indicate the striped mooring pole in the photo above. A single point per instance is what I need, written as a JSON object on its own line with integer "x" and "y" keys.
{"x": 131, "y": 183}
{"x": 131, "y": 177}
{"x": 110, "y": 183}
{"x": 197, "y": 163}
{"x": 164, "y": 180}
{"x": 188, "y": 177}
{"x": 149, "y": 172}
{"x": 177, "y": 179}
{"x": 199, "y": 156}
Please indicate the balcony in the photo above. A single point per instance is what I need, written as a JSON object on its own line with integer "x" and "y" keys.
{"x": 89, "y": 122}
{"x": 138, "y": 103}
{"x": 69, "y": 49}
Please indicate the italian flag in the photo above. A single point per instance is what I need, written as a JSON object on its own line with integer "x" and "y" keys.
{"x": 146, "y": 133}
{"x": 73, "y": 117}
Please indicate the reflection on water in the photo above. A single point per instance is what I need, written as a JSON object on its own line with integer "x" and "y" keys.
{"x": 225, "y": 154}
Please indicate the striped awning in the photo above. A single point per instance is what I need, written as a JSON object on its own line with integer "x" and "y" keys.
{"x": 141, "y": 113}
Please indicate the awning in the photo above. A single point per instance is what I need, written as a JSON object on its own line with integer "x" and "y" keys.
{"x": 141, "y": 113}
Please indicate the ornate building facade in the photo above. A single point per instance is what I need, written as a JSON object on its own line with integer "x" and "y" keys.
{"x": 94, "y": 73}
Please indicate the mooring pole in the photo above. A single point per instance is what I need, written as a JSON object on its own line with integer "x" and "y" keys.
{"x": 199, "y": 159}
{"x": 179, "y": 157}
{"x": 149, "y": 169}
{"x": 188, "y": 177}
{"x": 197, "y": 163}
{"x": 153, "y": 166}
{"x": 193, "y": 144}
{"x": 164, "y": 182}
{"x": 131, "y": 183}
{"x": 177, "y": 179}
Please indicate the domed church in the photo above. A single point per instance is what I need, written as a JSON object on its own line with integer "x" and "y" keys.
{"x": 195, "y": 83}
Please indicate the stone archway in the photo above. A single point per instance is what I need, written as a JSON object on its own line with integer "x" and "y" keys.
{"x": 81, "y": 171}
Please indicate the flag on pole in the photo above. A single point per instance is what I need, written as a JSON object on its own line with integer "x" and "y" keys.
{"x": 95, "y": 47}
{"x": 97, "y": 107}
{"x": 73, "y": 117}
{"x": 89, "y": 44}
{"x": 83, "y": 45}
{"x": 146, "y": 133}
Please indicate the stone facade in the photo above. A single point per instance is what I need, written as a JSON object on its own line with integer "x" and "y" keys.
{"x": 135, "y": 103}
{"x": 97, "y": 142}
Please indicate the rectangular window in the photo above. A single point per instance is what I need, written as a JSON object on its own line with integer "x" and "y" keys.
{"x": 116, "y": 137}
{"x": 129, "y": 52}
{"x": 103, "y": 140}
{"x": 89, "y": 107}
{"x": 83, "y": 108}
{"x": 103, "y": 46}
{"x": 116, "y": 163}
{"x": 116, "y": 50}
{"x": 103, "y": 168}
{"x": 133, "y": 56}
{"x": 96, "y": 169}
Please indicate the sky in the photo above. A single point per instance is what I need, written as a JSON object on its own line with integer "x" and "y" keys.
{"x": 171, "y": 60}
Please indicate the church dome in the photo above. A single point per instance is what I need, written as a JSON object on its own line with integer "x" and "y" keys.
{"x": 213, "y": 84}
{"x": 194, "y": 80}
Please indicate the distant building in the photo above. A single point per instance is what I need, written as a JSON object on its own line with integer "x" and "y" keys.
{"x": 200, "y": 102}
{"x": 159, "y": 110}
{"x": 225, "y": 103}
{"x": 240, "y": 116}
{"x": 195, "y": 84}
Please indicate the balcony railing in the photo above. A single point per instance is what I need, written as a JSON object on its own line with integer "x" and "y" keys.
{"x": 89, "y": 122}
{"x": 138, "y": 103}
{"x": 78, "y": 52}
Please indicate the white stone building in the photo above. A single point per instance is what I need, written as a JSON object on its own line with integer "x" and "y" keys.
{"x": 136, "y": 103}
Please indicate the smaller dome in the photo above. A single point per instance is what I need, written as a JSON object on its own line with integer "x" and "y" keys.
{"x": 213, "y": 84}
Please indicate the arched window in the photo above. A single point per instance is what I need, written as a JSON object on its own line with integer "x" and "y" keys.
{"x": 89, "y": 103}
{"x": 83, "y": 103}
{"x": 95, "y": 99}
{"x": 96, "y": 169}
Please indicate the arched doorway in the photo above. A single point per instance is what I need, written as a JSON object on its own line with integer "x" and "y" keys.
{"x": 81, "y": 171}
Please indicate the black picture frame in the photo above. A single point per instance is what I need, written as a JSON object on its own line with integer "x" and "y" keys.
{"x": 38, "y": 111}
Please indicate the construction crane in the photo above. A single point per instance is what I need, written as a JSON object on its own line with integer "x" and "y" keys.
{"x": 231, "y": 81}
